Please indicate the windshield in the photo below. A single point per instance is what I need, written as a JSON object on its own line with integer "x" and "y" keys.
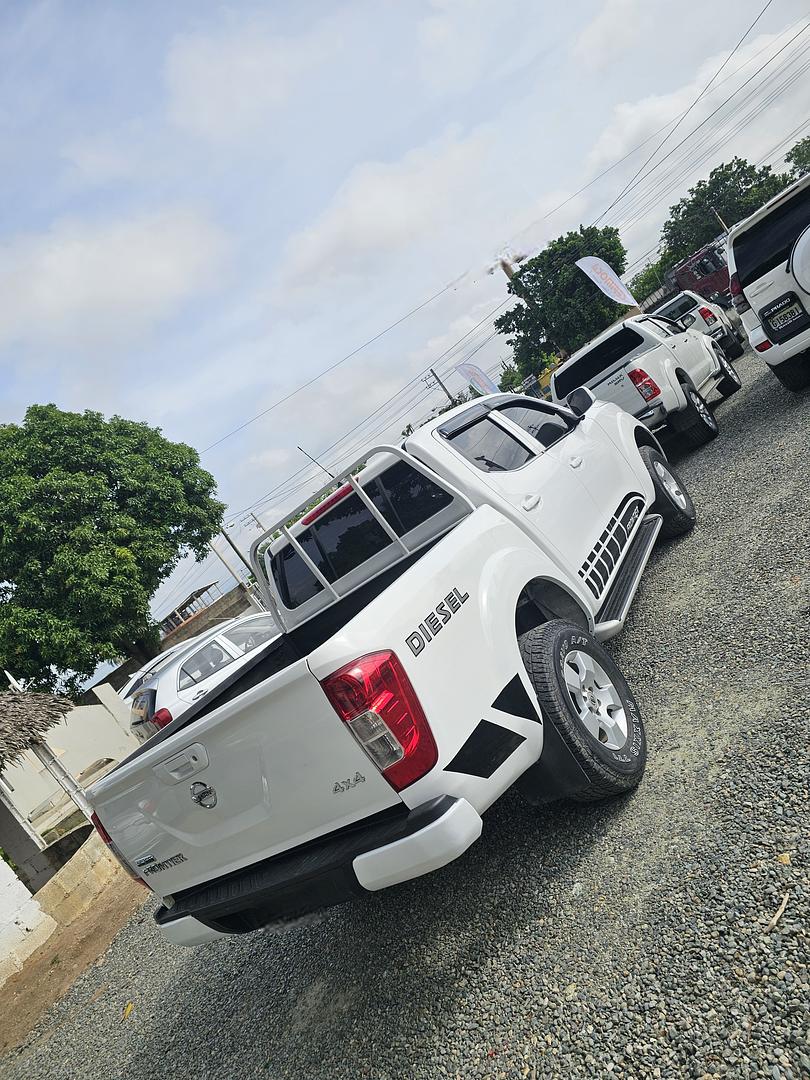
{"x": 584, "y": 369}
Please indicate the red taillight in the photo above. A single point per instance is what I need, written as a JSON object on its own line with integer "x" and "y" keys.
{"x": 105, "y": 836}
{"x": 737, "y": 295}
{"x": 327, "y": 504}
{"x": 102, "y": 832}
{"x": 161, "y": 718}
{"x": 708, "y": 316}
{"x": 647, "y": 387}
{"x": 374, "y": 697}
{"x": 763, "y": 346}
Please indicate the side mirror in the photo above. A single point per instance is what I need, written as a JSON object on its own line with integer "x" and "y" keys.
{"x": 580, "y": 400}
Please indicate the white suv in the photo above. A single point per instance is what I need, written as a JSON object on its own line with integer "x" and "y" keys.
{"x": 769, "y": 269}
{"x": 695, "y": 312}
{"x": 657, "y": 371}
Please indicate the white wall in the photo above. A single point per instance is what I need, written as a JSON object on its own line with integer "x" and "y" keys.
{"x": 87, "y": 733}
{"x": 23, "y": 923}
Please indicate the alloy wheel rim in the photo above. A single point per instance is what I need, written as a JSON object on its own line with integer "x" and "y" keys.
{"x": 729, "y": 370}
{"x": 596, "y": 700}
{"x": 703, "y": 409}
{"x": 671, "y": 485}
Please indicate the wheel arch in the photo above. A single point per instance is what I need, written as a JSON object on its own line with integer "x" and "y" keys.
{"x": 542, "y": 600}
{"x": 644, "y": 437}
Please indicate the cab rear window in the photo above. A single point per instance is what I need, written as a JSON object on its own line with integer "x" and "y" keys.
{"x": 600, "y": 358}
{"x": 348, "y": 535}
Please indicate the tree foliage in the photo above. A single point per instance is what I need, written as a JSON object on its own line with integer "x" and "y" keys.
{"x": 563, "y": 308}
{"x": 734, "y": 190}
{"x": 94, "y": 514}
{"x": 515, "y": 373}
{"x": 650, "y": 278}
{"x": 798, "y": 158}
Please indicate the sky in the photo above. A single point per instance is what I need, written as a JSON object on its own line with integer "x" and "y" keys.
{"x": 206, "y": 206}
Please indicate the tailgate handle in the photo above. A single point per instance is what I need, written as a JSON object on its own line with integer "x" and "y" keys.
{"x": 180, "y": 766}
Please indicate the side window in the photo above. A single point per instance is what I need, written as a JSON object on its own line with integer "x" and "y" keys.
{"x": 490, "y": 448}
{"x": 204, "y": 662}
{"x": 544, "y": 425}
{"x": 250, "y": 635}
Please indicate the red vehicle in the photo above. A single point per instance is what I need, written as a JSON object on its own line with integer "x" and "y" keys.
{"x": 704, "y": 272}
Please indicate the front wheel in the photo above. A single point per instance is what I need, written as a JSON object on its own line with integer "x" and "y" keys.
{"x": 672, "y": 500}
{"x": 584, "y": 695}
{"x": 695, "y": 425}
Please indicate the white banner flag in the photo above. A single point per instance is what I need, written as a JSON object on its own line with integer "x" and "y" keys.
{"x": 607, "y": 279}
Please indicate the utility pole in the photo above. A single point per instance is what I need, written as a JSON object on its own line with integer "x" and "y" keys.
{"x": 725, "y": 227}
{"x": 239, "y": 554}
{"x": 225, "y": 563}
{"x": 315, "y": 462}
{"x": 450, "y": 397}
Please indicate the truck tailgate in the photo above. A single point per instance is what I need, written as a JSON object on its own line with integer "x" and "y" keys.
{"x": 618, "y": 388}
{"x": 256, "y": 776}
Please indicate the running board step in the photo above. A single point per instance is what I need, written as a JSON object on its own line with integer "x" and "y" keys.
{"x": 620, "y": 595}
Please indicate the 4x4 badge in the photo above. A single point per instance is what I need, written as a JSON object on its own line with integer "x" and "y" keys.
{"x": 345, "y": 785}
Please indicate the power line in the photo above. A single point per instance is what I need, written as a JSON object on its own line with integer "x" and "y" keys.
{"x": 331, "y": 367}
{"x": 683, "y": 116}
{"x": 696, "y": 156}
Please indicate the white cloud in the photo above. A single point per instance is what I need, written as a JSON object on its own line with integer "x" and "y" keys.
{"x": 462, "y": 42}
{"x": 617, "y": 28}
{"x": 383, "y": 208}
{"x": 81, "y": 284}
{"x": 224, "y": 86}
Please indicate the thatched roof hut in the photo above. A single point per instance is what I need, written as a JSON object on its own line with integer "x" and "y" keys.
{"x": 25, "y": 717}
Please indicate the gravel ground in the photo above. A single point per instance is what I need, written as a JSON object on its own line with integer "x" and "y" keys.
{"x": 628, "y": 940}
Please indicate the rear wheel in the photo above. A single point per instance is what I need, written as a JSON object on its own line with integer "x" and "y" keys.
{"x": 732, "y": 346}
{"x": 729, "y": 382}
{"x": 794, "y": 374}
{"x": 672, "y": 500}
{"x": 695, "y": 425}
{"x": 584, "y": 695}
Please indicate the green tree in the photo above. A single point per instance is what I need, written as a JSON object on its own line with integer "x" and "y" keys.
{"x": 734, "y": 190}
{"x": 650, "y": 278}
{"x": 798, "y": 157}
{"x": 94, "y": 514}
{"x": 563, "y": 307}
{"x": 514, "y": 374}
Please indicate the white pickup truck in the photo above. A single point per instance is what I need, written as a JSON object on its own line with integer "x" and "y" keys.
{"x": 442, "y": 611}
{"x": 656, "y": 369}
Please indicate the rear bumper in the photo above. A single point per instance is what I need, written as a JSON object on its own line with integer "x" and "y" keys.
{"x": 391, "y": 849}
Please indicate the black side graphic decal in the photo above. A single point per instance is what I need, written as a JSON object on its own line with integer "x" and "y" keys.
{"x": 513, "y": 699}
{"x": 485, "y": 750}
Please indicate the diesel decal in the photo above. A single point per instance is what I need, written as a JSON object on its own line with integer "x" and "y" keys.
{"x": 173, "y": 860}
{"x": 434, "y": 621}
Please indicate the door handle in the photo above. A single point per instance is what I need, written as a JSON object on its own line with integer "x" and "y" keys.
{"x": 531, "y": 502}
{"x": 575, "y": 462}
